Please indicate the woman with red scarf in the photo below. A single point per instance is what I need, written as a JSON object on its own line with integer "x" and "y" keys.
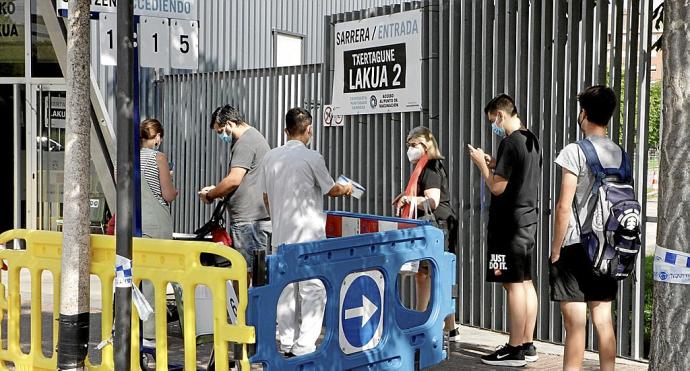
{"x": 427, "y": 190}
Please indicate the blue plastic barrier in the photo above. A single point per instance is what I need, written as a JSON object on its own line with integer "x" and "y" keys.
{"x": 406, "y": 339}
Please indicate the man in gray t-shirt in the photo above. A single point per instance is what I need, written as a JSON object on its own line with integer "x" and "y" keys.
{"x": 250, "y": 225}
{"x": 572, "y": 279}
{"x": 573, "y": 160}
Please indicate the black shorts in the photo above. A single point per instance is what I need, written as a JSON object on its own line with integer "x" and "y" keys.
{"x": 510, "y": 254}
{"x": 573, "y": 279}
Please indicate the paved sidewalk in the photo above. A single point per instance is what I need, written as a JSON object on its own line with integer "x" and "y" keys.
{"x": 464, "y": 355}
{"x": 476, "y": 342}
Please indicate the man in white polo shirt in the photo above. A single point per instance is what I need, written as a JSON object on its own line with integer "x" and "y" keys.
{"x": 294, "y": 180}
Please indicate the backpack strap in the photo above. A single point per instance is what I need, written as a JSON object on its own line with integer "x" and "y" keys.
{"x": 593, "y": 163}
{"x": 625, "y": 171}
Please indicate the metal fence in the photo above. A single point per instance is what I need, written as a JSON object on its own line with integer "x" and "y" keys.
{"x": 187, "y": 101}
{"x": 540, "y": 52}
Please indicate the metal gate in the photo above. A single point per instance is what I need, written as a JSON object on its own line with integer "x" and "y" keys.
{"x": 541, "y": 52}
{"x": 263, "y": 95}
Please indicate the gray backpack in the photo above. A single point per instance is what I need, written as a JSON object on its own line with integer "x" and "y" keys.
{"x": 611, "y": 234}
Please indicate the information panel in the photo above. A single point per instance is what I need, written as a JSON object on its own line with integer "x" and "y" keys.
{"x": 378, "y": 65}
{"x": 154, "y": 42}
{"x": 178, "y": 9}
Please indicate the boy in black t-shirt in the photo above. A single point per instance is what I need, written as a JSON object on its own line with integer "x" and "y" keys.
{"x": 513, "y": 179}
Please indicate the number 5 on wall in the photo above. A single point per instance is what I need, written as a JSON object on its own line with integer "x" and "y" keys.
{"x": 184, "y": 44}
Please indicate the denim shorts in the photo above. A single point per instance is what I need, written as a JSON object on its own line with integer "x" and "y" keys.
{"x": 249, "y": 237}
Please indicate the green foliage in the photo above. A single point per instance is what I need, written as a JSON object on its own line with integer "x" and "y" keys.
{"x": 648, "y": 298}
{"x": 654, "y": 114}
{"x": 654, "y": 110}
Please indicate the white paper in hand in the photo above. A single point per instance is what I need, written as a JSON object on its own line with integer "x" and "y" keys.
{"x": 357, "y": 189}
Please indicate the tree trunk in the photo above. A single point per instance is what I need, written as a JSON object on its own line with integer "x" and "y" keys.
{"x": 671, "y": 317}
{"x": 73, "y": 332}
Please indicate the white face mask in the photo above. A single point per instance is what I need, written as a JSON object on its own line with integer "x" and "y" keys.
{"x": 414, "y": 154}
{"x": 311, "y": 136}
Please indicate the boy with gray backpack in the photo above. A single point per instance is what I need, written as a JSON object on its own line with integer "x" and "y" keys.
{"x": 596, "y": 234}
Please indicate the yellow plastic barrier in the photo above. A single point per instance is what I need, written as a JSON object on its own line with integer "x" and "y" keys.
{"x": 159, "y": 261}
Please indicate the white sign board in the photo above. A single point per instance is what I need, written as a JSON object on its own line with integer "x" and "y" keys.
{"x": 378, "y": 64}
{"x": 56, "y": 112}
{"x": 184, "y": 44}
{"x": 107, "y": 31}
{"x": 179, "y": 9}
{"x": 331, "y": 119}
{"x": 154, "y": 42}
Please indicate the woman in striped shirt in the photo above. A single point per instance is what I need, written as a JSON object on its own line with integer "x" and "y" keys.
{"x": 154, "y": 164}
{"x": 157, "y": 192}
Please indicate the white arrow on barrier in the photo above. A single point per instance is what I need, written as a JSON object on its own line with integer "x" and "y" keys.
{"x": 366, "y": 311}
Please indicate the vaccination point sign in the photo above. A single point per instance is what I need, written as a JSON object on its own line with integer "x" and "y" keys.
{"x": 378, "y": 64}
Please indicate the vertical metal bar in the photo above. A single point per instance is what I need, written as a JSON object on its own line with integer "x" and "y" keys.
{"x": 615, "y": 72}
{"x": 573, "y": 62}
{"x": 510, "y": 63}
{"x": 601, "y": 44}
{"x": 556, "y": 127}
{"x": 641, "y": 168}
{"x": 125, "y": 186}
{"x": 524, "y": 52}
{"x": 533, "y": 117}
{"x": 16, "y": 140}
{"x": 483, "y": 36}
{"x": 38, "y": 127}
{"x": 586, "y": 47}
{"x": 629, "y": 136}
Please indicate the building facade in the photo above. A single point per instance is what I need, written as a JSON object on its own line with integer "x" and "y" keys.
{"x": 238, "y": 34}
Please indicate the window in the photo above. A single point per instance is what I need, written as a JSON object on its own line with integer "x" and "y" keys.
{"x": 44, "y": 62}
{"x": 287, "y": 49}
{"x": 12, "y": 39}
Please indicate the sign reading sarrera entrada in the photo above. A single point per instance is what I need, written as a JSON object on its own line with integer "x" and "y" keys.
{"x": 378, "y": 64}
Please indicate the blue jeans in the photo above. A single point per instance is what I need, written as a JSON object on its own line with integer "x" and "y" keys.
{"x": 250, "y": 237}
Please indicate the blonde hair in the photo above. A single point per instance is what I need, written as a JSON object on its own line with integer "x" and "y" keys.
{"x": 149, "y": 128}
{"x": 424, "y": 135}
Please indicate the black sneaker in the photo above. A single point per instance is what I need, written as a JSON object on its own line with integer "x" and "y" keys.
{"x": 530, "y": 352}
{"x": 454, "y": 335}
{"x": 506, "y": 356}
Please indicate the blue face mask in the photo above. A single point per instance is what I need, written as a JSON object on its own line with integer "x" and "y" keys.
{"x": 499, "y": 132}
{"x": 225, "y": 138}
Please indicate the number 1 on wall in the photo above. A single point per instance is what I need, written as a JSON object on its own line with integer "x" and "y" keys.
{"x": 155, "y": 38}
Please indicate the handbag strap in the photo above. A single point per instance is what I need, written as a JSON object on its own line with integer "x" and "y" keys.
{"x": 411, "y": 189}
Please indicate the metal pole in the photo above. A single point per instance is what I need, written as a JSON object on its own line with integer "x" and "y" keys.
{"x": 135, "y": 141}
{"x": 17, "y": 153}
{"x": 125, "y": 182}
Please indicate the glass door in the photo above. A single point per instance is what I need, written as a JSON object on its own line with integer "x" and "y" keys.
{"x": 45, "y": 143}
{"x": 45, "y": 163}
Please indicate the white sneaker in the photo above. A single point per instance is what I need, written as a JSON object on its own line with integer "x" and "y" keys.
{"x": 149, "y": 343}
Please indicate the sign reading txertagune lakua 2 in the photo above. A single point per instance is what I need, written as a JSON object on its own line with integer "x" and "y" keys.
{"x": 378, "y": 64}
